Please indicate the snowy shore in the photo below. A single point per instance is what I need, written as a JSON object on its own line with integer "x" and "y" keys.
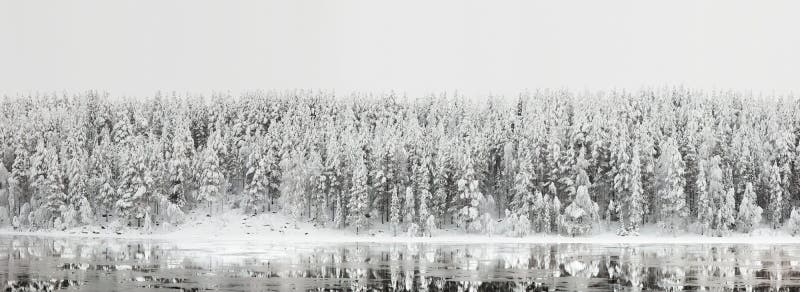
{"x": 275, "y": 228}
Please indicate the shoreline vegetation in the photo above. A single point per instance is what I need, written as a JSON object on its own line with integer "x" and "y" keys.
{"x": 635, "y": 166}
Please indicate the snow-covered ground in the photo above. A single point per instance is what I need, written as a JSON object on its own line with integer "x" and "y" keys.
{"x": 233, "y": 226}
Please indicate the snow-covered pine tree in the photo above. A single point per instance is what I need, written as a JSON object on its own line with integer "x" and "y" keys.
{"x": 727, "y": 213}
{"x": 381, "y": 188}
{"x": 409, "y": 213}
{"x": 670, "y": 188}
{"x": 555, "y": 214}
{"x": 523, "y": 182}
{"x": 77, "y": 202}
{"x": 775, "y": 196}
{"x": 54, "y": 195}
{"x": 470, "y": 196}
{"x": 384, "y": 181}
{"x": 623, "y": 180}
{"x": 48, "y": 186}
{"x": 359, "y": 197}
{"x": 274, "y": 156}
{"x": 135, "y": 185}
{"x": 581, "y": 164}
{"x": 123, "y": 128}
{"x": 704, "y": 204}
{"x": 106, "y": 193}
{"x": 19, "y": 183}
{"x": 507, "y": 175}
{"x": 257, "y": 178}
{"x": 793, "y": 224}
{"x": 717, "y": 194}
{"x": 293, "y": 186}
{"x": 442, "y": 176}
{"x": 632, "y": 206}
{"x": 422, "y": 181}
{"x": 541, "y": 213}
{"x": 179, "y": 164}
{"x": 424, "y": 196}
{"x": 339, "y": 216}
{"x": 487, "y": 224}
{"x": 430, "y": 225}
{"x": 210, "y": 174}
{"x": 580, "y": 214}
{"x": 101, "y": 181}
{"x": 749, "y": 212}
{"x": 394, "y": 212}
{"x": 315, "y": 189}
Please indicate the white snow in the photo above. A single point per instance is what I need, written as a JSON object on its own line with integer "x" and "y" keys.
{"x": 233, "y": 227}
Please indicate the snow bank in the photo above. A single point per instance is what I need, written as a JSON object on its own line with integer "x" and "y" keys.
{"x": 232, "y": 226}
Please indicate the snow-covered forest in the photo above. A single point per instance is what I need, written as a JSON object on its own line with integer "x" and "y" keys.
{"x": 543, "y": 162}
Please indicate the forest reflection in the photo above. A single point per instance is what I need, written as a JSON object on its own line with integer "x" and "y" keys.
{"x": 109, "y": 264}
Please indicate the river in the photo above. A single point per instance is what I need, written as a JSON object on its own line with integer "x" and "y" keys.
{"x": 92, "y": 264}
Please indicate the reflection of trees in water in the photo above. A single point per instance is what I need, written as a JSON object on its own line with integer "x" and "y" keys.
{"x": 410, "y": 267}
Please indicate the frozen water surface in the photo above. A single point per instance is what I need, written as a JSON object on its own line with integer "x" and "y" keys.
{"x": 148, "y": 265}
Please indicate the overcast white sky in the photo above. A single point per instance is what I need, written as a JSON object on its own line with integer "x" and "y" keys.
{"x": 137, "y": 47}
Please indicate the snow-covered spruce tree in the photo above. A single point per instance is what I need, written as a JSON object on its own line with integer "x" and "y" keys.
{"x": 380, "y": 184}
{"x": 647, "y": 150}
{"x": 422, "y": 180}
{"x": 409, "y": 214}
{"x": 123, "y": 127}
{"x": 541, "y": 213}
{"x": 793, "y": 223}
{"x": 721, "y": 217}
{"x": 670, "y": 188}
{"x": 210, "y": 176}
{"x": 424, "y": 196}
{"x": 101, "y": 180}
{"x": 579, "y": 215}
{"x": 555, "y": 215}
{"x": 339, "y": 216}
{"x": 581, "y": 164}
{"x": 394, "y": 212}
{"x": 707, "y": 188}
{"x": 254, "y": 199}
{"x": 487, "y": 224}
{"x": 525, "y": 213}
{"x": 132, "y": 188}
{"x": 430, "y": 225}
{"x": 49, "y": 185}
{"x": 19, "y": 185}
{"x": 623, "y": 179}
{"x": 507, "y": 175}
{"x": 469, "y": 195}
{"x": 77, "y": 211}
{"x": 523, "y": 189}
{"x": 727, "y": 213}
{"x": 293, "y": 186}
{"x": 775, "y": 196}
{"x": 632, "y": 205}
{"x": 315, "y": 188}
{"x": 705, "y": 208}
{"x": 179, "y": 164}
{"x": 359, "y": 197}
{"x": 442, "y": 177}
{"x": 749, "y": 212}
{"x": 274, "y": 158}
{"x": 515, "y": 225}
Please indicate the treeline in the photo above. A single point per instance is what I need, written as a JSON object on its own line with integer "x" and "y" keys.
{"x": 548, "y": 161}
